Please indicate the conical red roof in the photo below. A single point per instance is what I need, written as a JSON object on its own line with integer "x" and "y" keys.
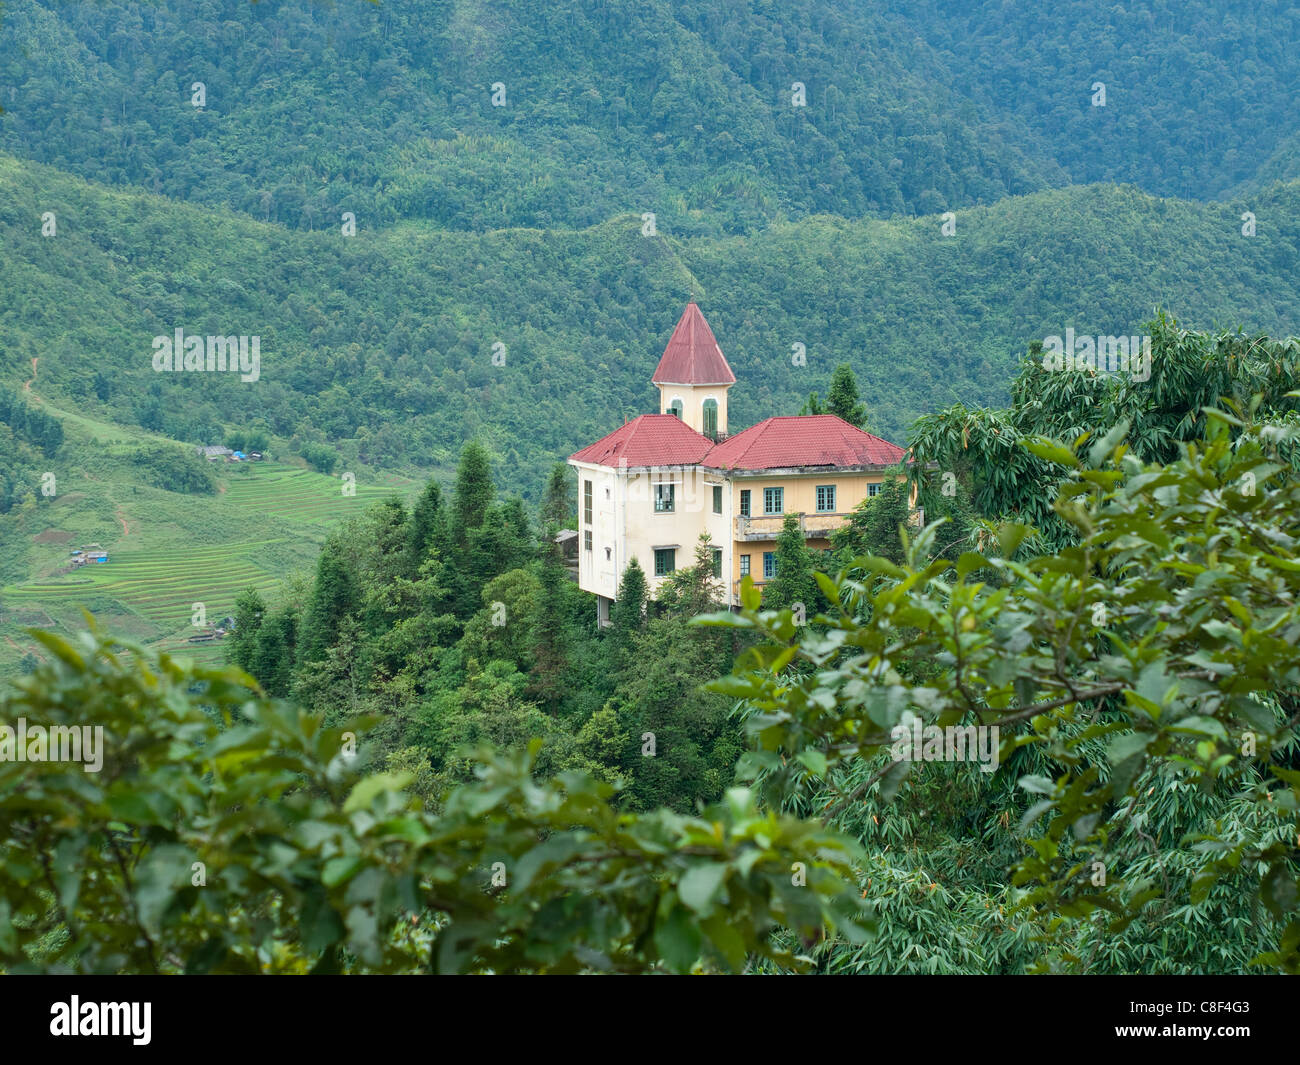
{"x": 693, "y": 356}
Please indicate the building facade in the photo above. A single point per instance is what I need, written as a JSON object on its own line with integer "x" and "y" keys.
{"x": 652, "y": 487}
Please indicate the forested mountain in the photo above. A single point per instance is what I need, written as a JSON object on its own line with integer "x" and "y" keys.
{"x": 386, "y": 110}
{"x": 353, "y": 679}
{"x": 380, "y": 347}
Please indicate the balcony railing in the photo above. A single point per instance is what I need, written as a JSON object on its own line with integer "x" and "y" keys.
{"x": 768, "y": 526}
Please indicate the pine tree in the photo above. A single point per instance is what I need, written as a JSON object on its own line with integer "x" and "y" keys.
{"x": 794, "y": 581}
{"x": 628, "y": 613}
{"x": 557, "y": 504}
{"x": 551, "y": 643}
{"x": 693, "y": 590}
{"x": 627, "y": 616}
{"x": 842, "y": 400}
{"x": 250, "y": 609}
{"x": 474, "y": 492}
{"x": 333, "y": 597}
{"x": 273, "y": 657}
{"x": 428, "y": 526}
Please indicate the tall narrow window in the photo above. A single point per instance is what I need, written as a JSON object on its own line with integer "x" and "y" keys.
{"x": 586, "y": 539}
{"x": 665, "y": 561}
{"x": 664, "y": 498}
{"x": 675, "y": 409}
{"x": 717, "y": 563}
{"x": 717, "y": 499}
{"x": 586, "y": 502}
{"x": 769, "y": 565}
{"x": 773, "y": 500}
{"x": 711, "y": 418}
{"x": 744, "y": 565}
{"x": 873, "y": 490}
{"x": 744, "y": 502}
{"x": 826, "y": 498}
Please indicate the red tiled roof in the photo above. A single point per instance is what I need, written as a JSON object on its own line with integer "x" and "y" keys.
{"x": 692, "y": 356}
{"x": 650, "y": 440}
{"x": 777, "y": 443}
{"x": 804, "y": 440}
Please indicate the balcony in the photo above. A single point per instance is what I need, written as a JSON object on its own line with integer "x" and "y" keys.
{"x": 768, "y": 526}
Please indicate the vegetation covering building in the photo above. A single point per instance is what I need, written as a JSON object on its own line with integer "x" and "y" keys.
{"x": 651, "y": 488}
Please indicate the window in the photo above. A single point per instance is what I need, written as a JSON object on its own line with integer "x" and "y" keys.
{"x": 711, "y": 418}
{"x": 665, "y": 561}
{"x": 717, "y": 562}
{"x": 744, "y": 503}
{"x": 769, "y": 565}
{"x": 586, "y": 502}
{"x": 664, "y": 496}
{"x": 826, "y": 498}
{"x": 586, "y": 539}
{"x": 873, "y": 490}
{"x": 675, "y": 409}
{"x": 717, "y": 499}
{"x": 744, "y": 565}
{"x": 773, "y": 500}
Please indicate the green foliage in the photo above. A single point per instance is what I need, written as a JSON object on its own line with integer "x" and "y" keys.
{"x": 793, "y": 582}
{"x": 228, "y": 834}
{"x": 1190, "y": 372}
{"x": 874, "y": 527}
{"x": 841, "y": 399}
{"x": 319, "y": 456}
{"x": 175, "y": 469}
{"x": 1156, "y": 653}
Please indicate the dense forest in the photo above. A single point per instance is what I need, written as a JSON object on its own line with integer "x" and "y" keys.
{"x": 387, "y": 110}
{"x": 654, "y": 807}
{"x": 382, "y": 349}
{"x": 351, "y": 712}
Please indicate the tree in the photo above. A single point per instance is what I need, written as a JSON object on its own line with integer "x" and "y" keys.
{"x": 428, "y": 528}
{"x": 250, "y": 608}
{"x": 334, "y": 595}
{"x": 841, "y": 400}
{"x": 557, "y": 501}
{"x": 627, "y": 615}
{"x": 550, "y": 635}
{"x": 874, "y": 526}
{"x": 794, "y": 582}
{"x": 343, "y": 870}
{"x": 1110, "y": 676}
{"x": 275, "y": 653}
{"x": 474, "y": 491}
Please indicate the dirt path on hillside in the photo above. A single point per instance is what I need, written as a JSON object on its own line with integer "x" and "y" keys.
{"x": 126, "y": 529}
{"x": 27, "y": 385}
{"x": 22, "y": 651}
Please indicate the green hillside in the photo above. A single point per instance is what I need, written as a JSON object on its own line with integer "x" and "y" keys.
{"x": 381, "y": 346}
{"x": 386, "y": 110}
{"x": 167, "y": 550}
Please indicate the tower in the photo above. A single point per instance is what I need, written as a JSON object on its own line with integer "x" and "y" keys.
{"x": 693, "y": 376}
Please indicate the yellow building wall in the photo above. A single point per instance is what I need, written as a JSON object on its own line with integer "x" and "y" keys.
{"x": 800, "y": 497}
{"x": 693, "y": 397}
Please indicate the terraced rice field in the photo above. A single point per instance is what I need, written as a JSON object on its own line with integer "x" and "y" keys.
{"x": 270, "y": 519}
{"x": 300, "y": 495}
{"x": 162, "y": 589}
